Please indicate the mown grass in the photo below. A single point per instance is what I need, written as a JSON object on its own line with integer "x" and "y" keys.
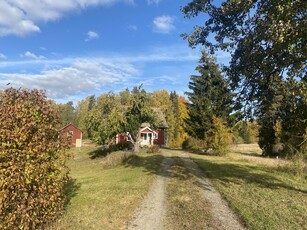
{"x": 266, "y": 196}
{"x": 105, "y": 196}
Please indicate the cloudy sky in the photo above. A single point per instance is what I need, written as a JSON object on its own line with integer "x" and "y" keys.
{"x": 76, "y": 48}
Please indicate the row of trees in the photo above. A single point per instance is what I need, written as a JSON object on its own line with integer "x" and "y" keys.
{"x": 103, "y": 117}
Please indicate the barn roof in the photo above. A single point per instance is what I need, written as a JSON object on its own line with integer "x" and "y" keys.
{"x": 70, "y": 124}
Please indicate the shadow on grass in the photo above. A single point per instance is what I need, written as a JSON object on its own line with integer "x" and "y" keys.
{"x": 98, "y": 153}
{"x": 222, "y": 171}
{"x": 70, "y": 190}
{"x": 239, "y": 174}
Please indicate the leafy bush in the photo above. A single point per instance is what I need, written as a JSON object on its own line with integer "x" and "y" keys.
{"x": 219, "y": 136}
{"x": 32, "y": 161}
{"x": 117, "y": 158}
{"x": 191, "y": 143}
{"x": 153, "y": 149}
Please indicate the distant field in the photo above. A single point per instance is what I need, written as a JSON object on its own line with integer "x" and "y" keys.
{"x": 105, "y": 197}
{"x": 262, "y": 191}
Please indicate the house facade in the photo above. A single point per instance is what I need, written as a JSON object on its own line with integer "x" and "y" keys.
{"x": 148, "y": 137}
{"x": 73, "y": 133}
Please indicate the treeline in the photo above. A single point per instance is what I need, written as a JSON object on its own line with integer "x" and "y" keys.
{"x": 100, "y": 118}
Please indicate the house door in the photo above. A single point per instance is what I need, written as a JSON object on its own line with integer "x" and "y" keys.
{"x": 146, "y": 138}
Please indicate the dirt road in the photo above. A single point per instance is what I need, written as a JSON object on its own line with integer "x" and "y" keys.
{"x": 154, "y": 213}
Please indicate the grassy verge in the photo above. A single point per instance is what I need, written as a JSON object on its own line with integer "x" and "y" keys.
{"x": 105, "y": 197}
{"x": 186, "y": 208}
{"x": 262, "y": 193}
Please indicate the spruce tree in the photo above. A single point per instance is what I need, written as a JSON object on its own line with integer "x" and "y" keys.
{"x": 209, "y": 96}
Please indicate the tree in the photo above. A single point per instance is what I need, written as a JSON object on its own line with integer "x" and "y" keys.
{"x": 138, "y": 113}
{"x": 106, "y": 118}
{"x": 32, "y": 161}
{"x": 209, "y": 96}
{"x": 267, "y": 41}
{"x": 67, "y": 113}
{"x": 82, "y": 113}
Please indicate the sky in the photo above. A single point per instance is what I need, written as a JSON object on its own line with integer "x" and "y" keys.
{"x": 76, "y": 48}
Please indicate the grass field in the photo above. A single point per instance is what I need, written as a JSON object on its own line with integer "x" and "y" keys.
{"x": 261, "y": 190}
{"x": 104, "y": 197}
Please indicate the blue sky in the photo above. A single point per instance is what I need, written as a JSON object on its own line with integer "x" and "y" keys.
{"x": 76, "y": 48}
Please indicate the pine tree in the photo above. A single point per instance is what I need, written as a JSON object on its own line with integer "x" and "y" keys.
{"x": 209, "y": 96}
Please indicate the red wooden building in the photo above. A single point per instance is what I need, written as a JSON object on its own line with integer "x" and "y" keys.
{"x": 74, "y": 133}
{"x": 149, "y": 136}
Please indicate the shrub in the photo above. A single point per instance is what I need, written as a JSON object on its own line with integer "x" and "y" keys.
{"x": 153, "y": 149}
{"x": 191, "y": 143}
{"x": 219, "y": 137}
{"x": 117, "y": 158}
{"x": 32, "y": 161}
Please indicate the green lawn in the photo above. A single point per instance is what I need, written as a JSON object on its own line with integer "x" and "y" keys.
{"x": 105, "y": 197}
{"x": 262, "y": 192}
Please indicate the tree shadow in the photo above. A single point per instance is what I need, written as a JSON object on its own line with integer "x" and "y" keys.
{"x": 70, "y": 190}
{"x": 222, "y": 171}
{"x": 239, "y": 174}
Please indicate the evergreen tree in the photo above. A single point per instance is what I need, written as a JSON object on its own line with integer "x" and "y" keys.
{"x": 209, "y": 96}
{"x": 139, "y": 112}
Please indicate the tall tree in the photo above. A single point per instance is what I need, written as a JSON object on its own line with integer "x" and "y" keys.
{"x": 106, "y": 118}
{"x": 138, "y": 113}
{"x": 209, "y": 96}
{"x": 67, "y": 113}
{"x": 268, "y": 43}
{"x": 82, "y": 113}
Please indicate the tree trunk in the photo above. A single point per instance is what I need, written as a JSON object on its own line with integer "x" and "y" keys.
{"x": 136, "y": 147}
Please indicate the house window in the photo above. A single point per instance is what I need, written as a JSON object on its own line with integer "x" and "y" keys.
{"x": 155, "y": 135}
{"x": 70, "y": 133}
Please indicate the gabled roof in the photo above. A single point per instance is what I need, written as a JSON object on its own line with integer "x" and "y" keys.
{"x": 70, "y": 124}
{"x": 161, "y": 118}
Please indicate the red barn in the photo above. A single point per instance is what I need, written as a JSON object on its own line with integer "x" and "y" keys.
{"x": 74, "y": 133}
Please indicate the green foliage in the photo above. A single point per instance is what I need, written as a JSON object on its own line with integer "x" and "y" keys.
{"x": 191, "y": 143}
{"x": 219, "y": 136}
{"x": 106, "y": 118}
{"x": 209, "y": 97}
{"x": 32, "y": 161}
{"x": 139, "y": 112}
{"x": 67, "y": 113}
{"x": 267, "y": 42}
{"x": 82, "y": 113}
{"x": 246, "y": 132}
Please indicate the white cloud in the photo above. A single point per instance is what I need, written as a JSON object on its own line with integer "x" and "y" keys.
{"x": 163, "y": 24}
{"x": 2, "y": 56}
{"x": 29, "y": 54}
{"x": 91, "y": 35}
{"x": 70, "y": 78}
{"x": 82, "y": 75}
{"x": 133, "y": 27}
{"x": 21, "y": 17}
{"x": 150, "y": 2}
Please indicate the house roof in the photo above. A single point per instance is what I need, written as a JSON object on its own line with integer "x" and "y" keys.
{"x": 70, "y": 124}
{"x": 161, "y": 118}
